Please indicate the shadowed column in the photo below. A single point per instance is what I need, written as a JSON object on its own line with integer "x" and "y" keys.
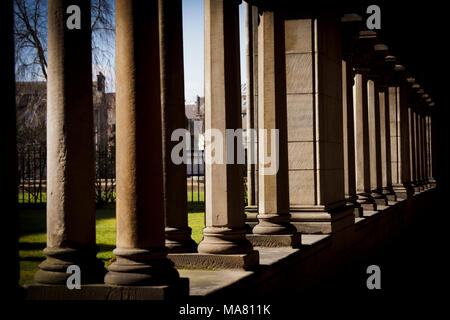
{"x": 424, "y": 147}
{"x": 401, "y": 181}
{"x": 273, "y": 207}
{"x": 413, "y": 149}
{"x": 9, "y": 166}
{"x": 250, "y": 110}
{"x": 351, "y": 24}
{"x": 70, "y": 150}
{"x": 385, "y": 135}
{"x": 140, "y": 250}
{"x": 255, "y": 22}
{"x": 375, "y": 142}
{"x": 430, "y": 142}
{"x": 224, "y": 207}
{"x": 178, "y": 233}
{"x": 349, "y": 138}
{"x": 418, "y": 148}
{"x": 362, "y": 140}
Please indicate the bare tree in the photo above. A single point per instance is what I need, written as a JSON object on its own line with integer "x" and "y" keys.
{"x": 30, "y": 32}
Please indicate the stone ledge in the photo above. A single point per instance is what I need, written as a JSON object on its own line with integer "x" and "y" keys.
{"x": 178, "y": 290}
{"x": 323, "y": 222}
{"x": 215, "y": 261}
{"x": 275, "y": 241}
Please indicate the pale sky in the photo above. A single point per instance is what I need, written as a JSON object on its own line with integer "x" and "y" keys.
{"x": 193, "y": 51}
{"x": 193, "y": 34}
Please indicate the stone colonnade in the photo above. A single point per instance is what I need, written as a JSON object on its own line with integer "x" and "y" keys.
{"x": 354, "y": 129}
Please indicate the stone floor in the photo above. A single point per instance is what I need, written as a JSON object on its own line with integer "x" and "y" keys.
{"x": 205, "y": 282}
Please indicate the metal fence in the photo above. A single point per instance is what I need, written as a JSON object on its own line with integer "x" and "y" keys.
{"x": 32, "y": 167}
{"x": 32, "y": 188}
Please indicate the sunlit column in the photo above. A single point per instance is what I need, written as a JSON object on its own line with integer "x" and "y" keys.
{"x": 70, "y": 150}
{"x": 273, "y": 206}
{"x": 224, "y": 208}
{"x": 315, "y": 133}
{"x": 140, "y": 240}
{"x": 178, "y": 233}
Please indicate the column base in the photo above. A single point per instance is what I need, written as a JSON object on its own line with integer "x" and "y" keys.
{"x": 275, "y": 240}
{"x": 322, "y": 219}
{"x": 177, "y": 290}
{"x": 416, "y": 187}
{"x": 53, "y": 270}
{"x": 432, "y": 183}
{"x": 427, "y": 184}
{"x": 352, "y": 201}
{"x": 379, "y": 197}
{"x": 179, "y": 240}
{"x": 274, "y": 224}
{"x": 224, "y": 240}
{"x": 366, "y": 201}
{"x": 403, "y": 191}
{"x": 389, "y": 194}
{"x": 141, "y": 267}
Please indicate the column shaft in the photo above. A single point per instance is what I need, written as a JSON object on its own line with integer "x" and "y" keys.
{"x": 8, "y": 144}
{"x": 430, "y": 151}
{"x": 349, "y": 137}
{"x": 362, "y": 141}
{"x": 140, "y": 250}
{"x": 255, "y": 22}
{"x": 424, "y": 151}
{"x": 178, "y": 233}
{"x": 401, "y": 168}
{"x": 273, "y": 207}
{"x": 375, "y": 142}
{"x": 70, "y": 150}
{"x": 250, "y": 112}
{"x": 413, "y": 148}
{"x": 385, "y": 134}
{"x": 225, "y": 229}
{"x": 315, "y": 133}
{"x": 418, "y": 149}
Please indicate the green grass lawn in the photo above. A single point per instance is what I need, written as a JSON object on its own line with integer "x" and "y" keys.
{"x": 33, "y": 236}
{"x": 192, "y": 195}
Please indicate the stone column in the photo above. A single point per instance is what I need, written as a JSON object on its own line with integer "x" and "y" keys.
{"x": 315, "y": 133}
{"x": 424, "y": 149}
{"x": 70, "y": 150}
{"x": 401, "y": 183}
{"x": 412, "y": 149}
{"x": 273, "y": 206}
{"x": 140, "y": 250}
{"x": 373, "y": 105}
{"x": 385, "y": 143}
{"x": 430, "y": 147}
{"x": 225, "y": 228}
{"x": 418, "y": 149}
{"x": 178, "y": 233}
{"x": 424, "y": 145}
{"x": 9, "y": 166}
{"x": 250, "y": 112}
{"x": 362, "y": 140}
{"x": 349, "y": 138}
{"x": 255, "y": 22}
